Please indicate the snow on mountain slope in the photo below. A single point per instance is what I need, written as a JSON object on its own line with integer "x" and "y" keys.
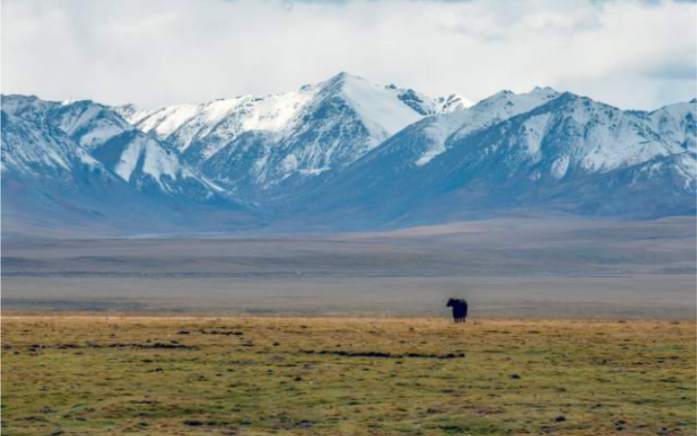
{"x": 380, "y": 108}
{"x": 576, "y": 135}
{"x": 451, "y": 103}
{"x": 33, "y": 145}
{"x": 569, "y": 152}
{"x": 682, "y": 165}
{"x": 29, "y": 108}
{"x": 88, "y": 123}
{"x": 77, "y": 167}
{"x": 156, "y": 163}
{"x": 37, "y": 151}
{"x": 272, "y": 139}
{"x": 349, "y": 152}
{"x": 676, "y": 124}
{"x": 131, "y": 113}
{"x": 594, "y": 137}
{"x": 425, "y": 105}
{"x": 501, "y": 106}
{"x": 422, "y": 141}
{"x": 686, "y": 167}
{"x": 37, "y": 132}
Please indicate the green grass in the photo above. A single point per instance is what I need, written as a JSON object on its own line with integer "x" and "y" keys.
{"x": 102, "y": 376}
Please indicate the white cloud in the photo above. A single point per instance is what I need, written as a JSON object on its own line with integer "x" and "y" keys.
{"x": 156, "y": 52}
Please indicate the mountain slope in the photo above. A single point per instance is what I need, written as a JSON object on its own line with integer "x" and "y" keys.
{"x": 561, "y": 155}
{"x": 341, "y": 154}
{"x": 251, "y": 144}
{"x": 422, "y": 141}
{"x": 78, "y": 164}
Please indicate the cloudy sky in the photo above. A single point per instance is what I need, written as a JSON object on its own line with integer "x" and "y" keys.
{"x": 630, "y": 53}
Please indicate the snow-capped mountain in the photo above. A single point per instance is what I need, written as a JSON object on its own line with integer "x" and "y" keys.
{"x": 83, "y": 157}
{"x": 422, "y": 141}
{"x": 425, "y": 105}
{"x": 341, "y": 154}
{"x": 97, "y": 136}
{"x": 554, "y": 153}
{"x": 265, "y": 141}
{"x": 34, "y": 147}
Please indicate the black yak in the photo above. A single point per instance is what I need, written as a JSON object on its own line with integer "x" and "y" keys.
{"x": 459, "y": 309}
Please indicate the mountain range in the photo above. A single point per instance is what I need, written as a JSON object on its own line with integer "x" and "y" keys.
{"x": 343, "y": 154}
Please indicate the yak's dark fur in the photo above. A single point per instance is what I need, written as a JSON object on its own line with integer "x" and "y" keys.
{"x": 459, "y": 309}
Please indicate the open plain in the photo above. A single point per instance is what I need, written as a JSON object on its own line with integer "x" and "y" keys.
{"x": 503, "y": 267}
{"x": 87, "y": 374}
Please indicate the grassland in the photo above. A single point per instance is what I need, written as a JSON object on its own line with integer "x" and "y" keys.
{"x": 97, "y": 375}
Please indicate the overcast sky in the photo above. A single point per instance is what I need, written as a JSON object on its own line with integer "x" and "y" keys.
{"x": 629, "y": 53}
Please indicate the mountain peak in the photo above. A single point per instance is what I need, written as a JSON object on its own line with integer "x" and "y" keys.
{"x": 344, "y": 77}
{"x": 381, "y": 108}
{"x": 544, "y": 91}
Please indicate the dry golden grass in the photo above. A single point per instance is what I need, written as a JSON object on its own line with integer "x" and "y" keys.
{"x": 95, "y": 375}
